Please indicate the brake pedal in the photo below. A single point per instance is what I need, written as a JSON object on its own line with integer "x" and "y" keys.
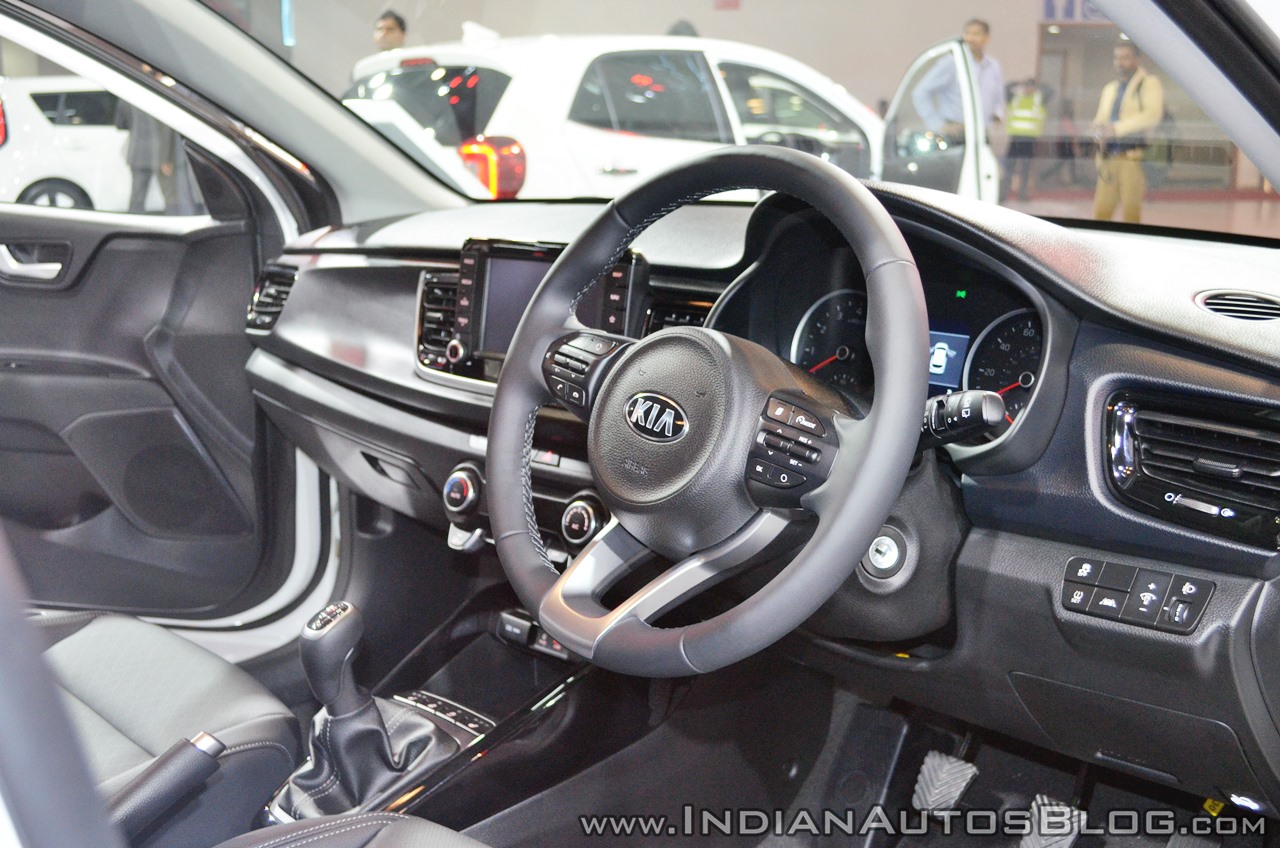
{"x": 943, "y": 779}
{"x": 1061, "y": 823}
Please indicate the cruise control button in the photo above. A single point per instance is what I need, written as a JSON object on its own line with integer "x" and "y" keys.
{"x": 1076, "y": 596}
{"x": 1107, "y": 603}
{"x": 761, "y": 471}
{"x": 1146, "y": 597}
{"x": 785, "y": 478}
{"x": 1084, "y": 570}
{"x": 779, "y": 411}
{"x": 1117, "y": 576}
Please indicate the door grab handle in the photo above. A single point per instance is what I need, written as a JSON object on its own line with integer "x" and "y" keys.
{"x": 11, "y": 267}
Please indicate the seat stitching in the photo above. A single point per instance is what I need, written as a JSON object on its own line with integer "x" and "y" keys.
{"x": 369, "y": 818}
{"x": 249, "y": 746}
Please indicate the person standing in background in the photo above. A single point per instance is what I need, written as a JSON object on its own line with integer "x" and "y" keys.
{"x": 389, "y": 31}
{"x": 937, "y": 98}
{"x": 1130, "y": 105}
{"x": 1027, "y": 115}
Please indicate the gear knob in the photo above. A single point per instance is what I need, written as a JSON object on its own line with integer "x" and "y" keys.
{"x": 328, "y": 648}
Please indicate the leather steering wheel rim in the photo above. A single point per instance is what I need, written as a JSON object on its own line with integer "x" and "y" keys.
{"x": 875, "y": 453}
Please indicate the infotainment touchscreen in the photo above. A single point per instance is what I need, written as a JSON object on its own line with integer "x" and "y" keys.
{"x": 509, "y": 286}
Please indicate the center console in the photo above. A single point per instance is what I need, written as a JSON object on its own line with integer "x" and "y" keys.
{"x": 467, "y": 318}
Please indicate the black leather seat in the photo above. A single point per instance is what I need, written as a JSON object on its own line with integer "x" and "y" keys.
{"x": 133, "y": 689}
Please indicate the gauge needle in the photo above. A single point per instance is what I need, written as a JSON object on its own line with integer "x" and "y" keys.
{"x": 830, "y": 359}
{"x": 1007, "y": 388}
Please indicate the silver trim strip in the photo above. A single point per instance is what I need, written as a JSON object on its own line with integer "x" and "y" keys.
{"x": 11, "y": 267}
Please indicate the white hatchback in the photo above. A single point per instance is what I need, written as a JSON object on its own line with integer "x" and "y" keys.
{"x": 590, "y": 116}
{"x": 59, "y": 145}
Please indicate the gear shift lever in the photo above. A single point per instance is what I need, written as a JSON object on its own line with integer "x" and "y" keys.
{"x": 328, "y": 647}
{"x": 360, "y": 746}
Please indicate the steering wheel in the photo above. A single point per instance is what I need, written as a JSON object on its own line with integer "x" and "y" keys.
{"x": 707, "y": 449}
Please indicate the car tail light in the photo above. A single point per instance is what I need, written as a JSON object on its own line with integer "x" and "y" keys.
{"x": 417, "y": 62}
{"x": 497, "y": 162}
{"x": 4, "y": 133}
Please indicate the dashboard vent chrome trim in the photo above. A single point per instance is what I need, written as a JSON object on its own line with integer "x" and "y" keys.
{"x": 269, "y": 295}
{"x": 1215, "y": 467}
{"x": 1242, "y": 305}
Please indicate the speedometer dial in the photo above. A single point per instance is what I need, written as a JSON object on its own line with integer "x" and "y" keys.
{"x": 830, "y": 342}
{"x": 1005, "y": 359}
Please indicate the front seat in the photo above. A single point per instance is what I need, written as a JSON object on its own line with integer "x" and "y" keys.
{"x": 47, "y": 795}
{"x": 133, "y": 689}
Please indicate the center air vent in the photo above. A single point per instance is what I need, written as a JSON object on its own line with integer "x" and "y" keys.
{"x": 436, "y": 312}
{"x": 272, "y": 290}
{"x": 1246, "y": 306}
{"x": 686, "y": 313}
{"x": 1215, "y": 467}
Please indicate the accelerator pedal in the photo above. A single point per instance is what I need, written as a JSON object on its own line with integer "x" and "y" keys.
{"x": 943, "y": 779}
{"x": 1053, "y": 824}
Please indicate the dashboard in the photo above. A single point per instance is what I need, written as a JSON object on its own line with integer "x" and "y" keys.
{"x": 1141, "y": 437}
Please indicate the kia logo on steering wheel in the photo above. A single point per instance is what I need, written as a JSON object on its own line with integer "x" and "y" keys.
{"x": 656, "y": 417}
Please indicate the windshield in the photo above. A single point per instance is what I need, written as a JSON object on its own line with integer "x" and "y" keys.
{"x": 1046, "y": 107}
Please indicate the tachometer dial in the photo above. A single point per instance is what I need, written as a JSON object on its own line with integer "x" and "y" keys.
{"x": 829, "y": 342}
{"x": 1005, "y": 359}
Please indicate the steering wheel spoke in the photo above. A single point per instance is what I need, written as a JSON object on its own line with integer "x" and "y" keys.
{"x": 573, "y": 613}
{"x": 576, "y": 364}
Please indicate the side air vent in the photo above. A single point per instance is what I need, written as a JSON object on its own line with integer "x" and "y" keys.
{"x": 436, "y": 312}
{"x": 1215, "y": 467}
{"x": 1246, "y": 306}
{"x": 269, "y": 294}
{"x": 689, "y": 313}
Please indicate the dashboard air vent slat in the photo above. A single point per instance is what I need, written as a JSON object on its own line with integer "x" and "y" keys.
{"x": 269, "y": 295}
{"x": 1245, "y": 306}
{"x": 439, "y": 305}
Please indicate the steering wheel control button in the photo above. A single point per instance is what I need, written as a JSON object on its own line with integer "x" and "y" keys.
{"x": 461, "y": 491}
{"x": 780, "y": 411}
{"x": 575, "y": 366}
{"x": 594, "y": 345}
{"x": 1084, "y": 570}
{"x": 807, "y": 421}
{"x": 1076, "y": 596}
{"x": 1107, "y": 603}
{"x": 1117, "y": 576}
{"x": 1146, "y": 598}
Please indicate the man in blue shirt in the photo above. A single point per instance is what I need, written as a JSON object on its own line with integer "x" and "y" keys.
{"x": 937, "y": 98}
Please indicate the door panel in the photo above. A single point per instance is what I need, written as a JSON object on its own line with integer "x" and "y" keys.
{"x": 126, "y": 437}
{"x": 932, "y": 134}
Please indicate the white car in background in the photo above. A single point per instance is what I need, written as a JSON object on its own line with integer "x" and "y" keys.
{"x": 590, "y": 116}
{"x": 59, "y": 145}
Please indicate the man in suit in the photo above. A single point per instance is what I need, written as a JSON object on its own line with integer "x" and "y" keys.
{"x": 1130, "y": 106}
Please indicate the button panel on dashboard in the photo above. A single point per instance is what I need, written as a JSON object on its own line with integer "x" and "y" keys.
{"x": 1141, "y": 596}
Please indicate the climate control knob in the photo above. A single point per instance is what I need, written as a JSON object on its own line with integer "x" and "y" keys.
{"x": 461, "y": 491}
{"x": 580, "y": 521}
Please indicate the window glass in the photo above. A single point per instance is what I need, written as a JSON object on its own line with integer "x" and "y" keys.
{"x": 68, "y": 143}
{"x": 666, "y": 94}
{"x": 455, "y": 102}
